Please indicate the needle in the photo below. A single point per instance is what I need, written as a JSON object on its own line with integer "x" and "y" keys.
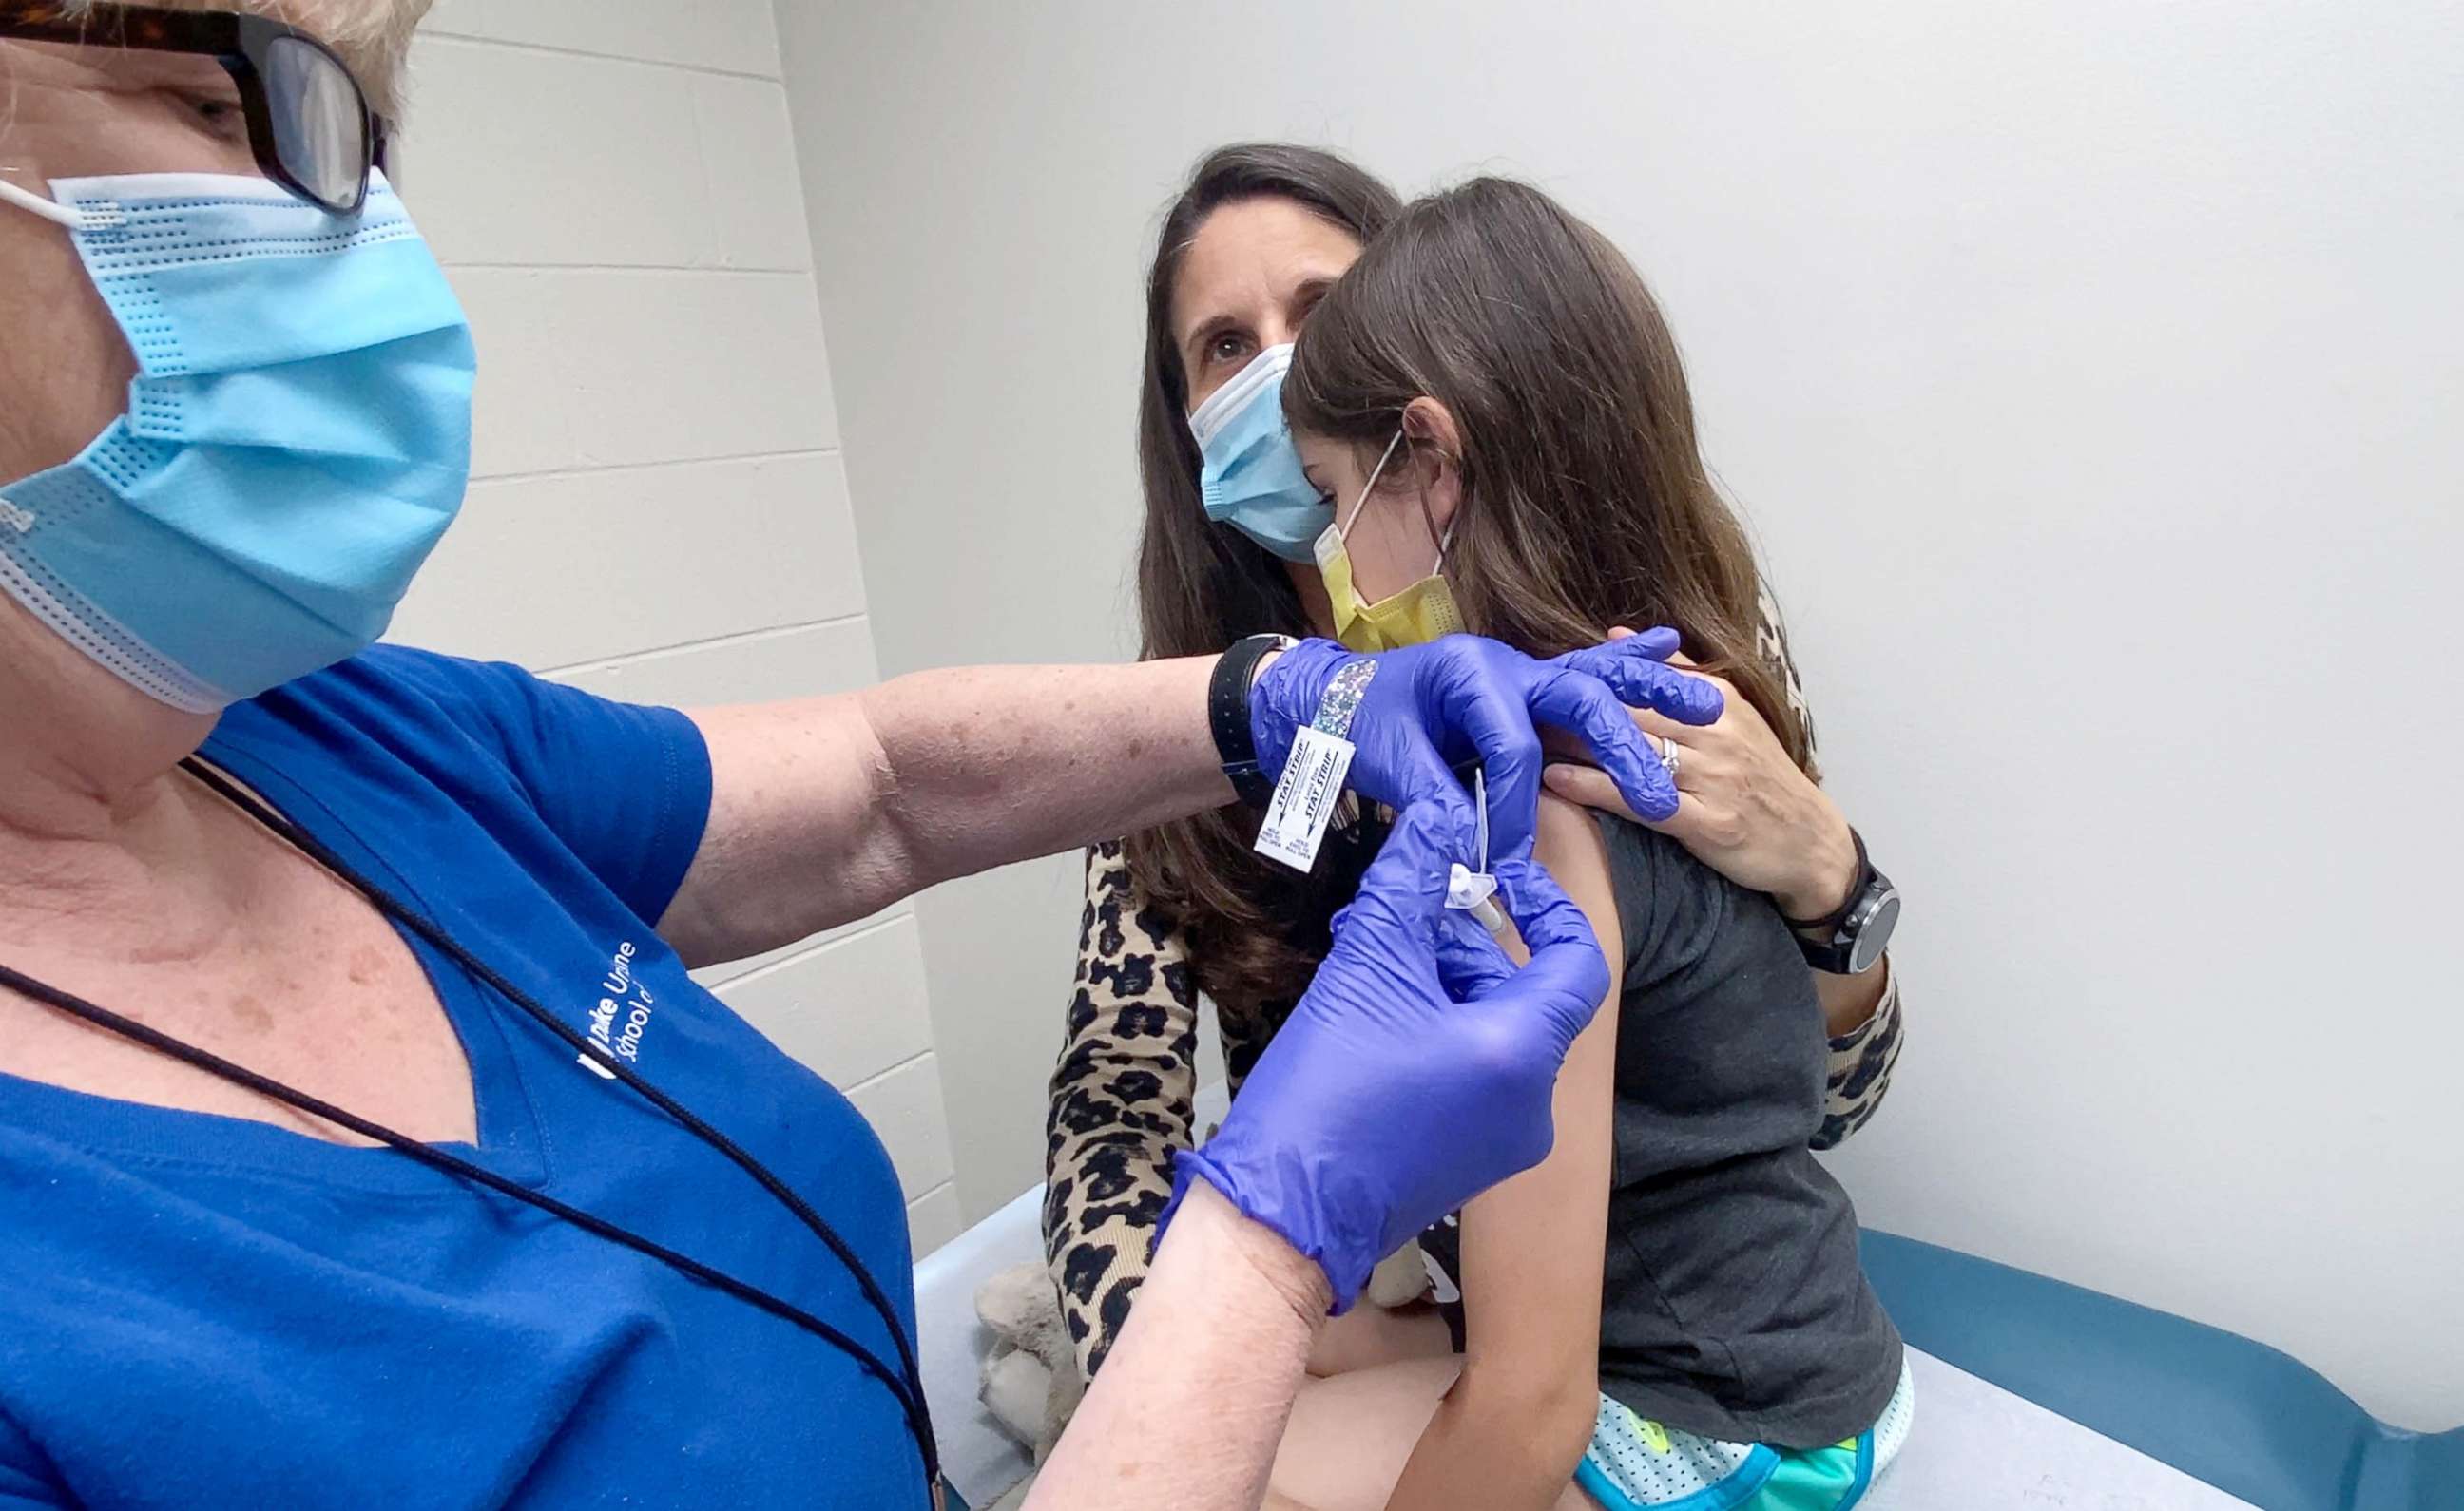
{"x": 1480, "y": 804}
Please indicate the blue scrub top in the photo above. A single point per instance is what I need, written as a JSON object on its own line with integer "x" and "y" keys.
{"x": 207, "y": 1311}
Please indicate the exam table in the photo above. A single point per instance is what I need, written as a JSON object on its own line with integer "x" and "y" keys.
{"x": 2032, "y": 1395}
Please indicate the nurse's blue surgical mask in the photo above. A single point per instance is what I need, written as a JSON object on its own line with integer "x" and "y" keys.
{"x": 297, "y": 436}
{"x": 1251, "y": 478}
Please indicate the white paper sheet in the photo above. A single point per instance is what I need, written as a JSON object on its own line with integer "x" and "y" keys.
{"x": 1977, "y": 1447}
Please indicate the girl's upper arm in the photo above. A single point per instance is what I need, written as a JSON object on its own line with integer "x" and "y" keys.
{"x": 1533, "y": 1248}
{"x": 1121, "y": 1102}
{"x": 1515, "y": 1424}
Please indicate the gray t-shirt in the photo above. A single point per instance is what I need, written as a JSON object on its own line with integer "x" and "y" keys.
{"x": 1732, "y": 1304}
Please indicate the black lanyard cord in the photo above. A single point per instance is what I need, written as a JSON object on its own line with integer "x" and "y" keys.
{"x": 419, "y": 924}
{"x": 907, "y": 1386}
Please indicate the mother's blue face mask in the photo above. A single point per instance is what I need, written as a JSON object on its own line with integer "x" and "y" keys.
{"x": 297, "y": 437}
{"x": 1251, "y": 478}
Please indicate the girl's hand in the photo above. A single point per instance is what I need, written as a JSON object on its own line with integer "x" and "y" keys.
{"x": 1744, "y": 808}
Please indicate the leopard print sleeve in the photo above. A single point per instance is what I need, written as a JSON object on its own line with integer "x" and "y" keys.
{"x": 1861, "y": 1062}
{"x": 1120, "y": 1104}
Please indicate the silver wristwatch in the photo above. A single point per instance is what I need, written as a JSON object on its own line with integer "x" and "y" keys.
{"x": 1851, "y": 940}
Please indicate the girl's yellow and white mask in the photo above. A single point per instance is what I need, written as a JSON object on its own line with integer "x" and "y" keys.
{"x": 1420, "y": 613}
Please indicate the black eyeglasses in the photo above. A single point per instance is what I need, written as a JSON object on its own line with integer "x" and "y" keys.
{"x": 308, "y": 119}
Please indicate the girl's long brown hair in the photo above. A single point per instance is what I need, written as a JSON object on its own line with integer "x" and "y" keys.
{"x": 1585, "y": 500}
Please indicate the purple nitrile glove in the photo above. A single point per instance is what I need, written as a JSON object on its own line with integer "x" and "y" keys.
{"x": 1416, "y": 1071}
{"x": 1432, "y": 706}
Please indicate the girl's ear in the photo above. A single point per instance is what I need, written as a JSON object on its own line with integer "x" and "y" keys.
{"x": 1436, "y": 445}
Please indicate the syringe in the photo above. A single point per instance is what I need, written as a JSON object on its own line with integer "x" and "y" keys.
{"x": 1476, "y": 891}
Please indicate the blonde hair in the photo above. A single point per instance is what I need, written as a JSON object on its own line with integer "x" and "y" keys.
{"x": 372, "y": 35}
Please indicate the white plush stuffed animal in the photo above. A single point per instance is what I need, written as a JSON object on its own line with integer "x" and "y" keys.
{"x": 1031, "y": 1379}
{"x": 1401, "y": 1279}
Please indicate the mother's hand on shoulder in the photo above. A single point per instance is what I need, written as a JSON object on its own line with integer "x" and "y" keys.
{"x": 1743, "y": 807}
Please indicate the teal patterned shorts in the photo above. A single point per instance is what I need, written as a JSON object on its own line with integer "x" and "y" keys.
{"x": 1639, "y": 1465}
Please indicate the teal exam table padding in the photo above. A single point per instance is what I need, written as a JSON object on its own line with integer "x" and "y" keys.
{"x": 2250, "y": 1420}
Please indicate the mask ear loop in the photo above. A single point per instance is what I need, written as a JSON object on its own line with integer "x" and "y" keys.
{"x": 1343, "y": 527}
{"x": 74, "y": 218}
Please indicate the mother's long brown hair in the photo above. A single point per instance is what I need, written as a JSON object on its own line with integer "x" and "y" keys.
{"x": 1256, "y": 931}
{"x": 1585, "y": 500}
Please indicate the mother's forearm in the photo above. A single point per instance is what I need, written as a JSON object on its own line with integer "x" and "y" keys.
{"x": 1849, "y": 1001}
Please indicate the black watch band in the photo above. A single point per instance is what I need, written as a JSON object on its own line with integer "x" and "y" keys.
{"x": 1829, "y": 923}
{"x": 1850, "y": 940}
{"x": 1227, "y": 715}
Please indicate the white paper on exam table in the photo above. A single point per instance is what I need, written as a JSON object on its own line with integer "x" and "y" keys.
{"x": 1977, "y": 1447}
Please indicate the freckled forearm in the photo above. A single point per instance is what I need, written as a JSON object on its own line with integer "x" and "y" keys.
{"x": 826, "y": 810}
{"x": 1190, "y": 1408}
{"x": 986, "y": 765}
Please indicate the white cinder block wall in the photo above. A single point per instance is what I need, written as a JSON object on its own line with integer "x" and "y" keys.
{"x": 661, "y": 512}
